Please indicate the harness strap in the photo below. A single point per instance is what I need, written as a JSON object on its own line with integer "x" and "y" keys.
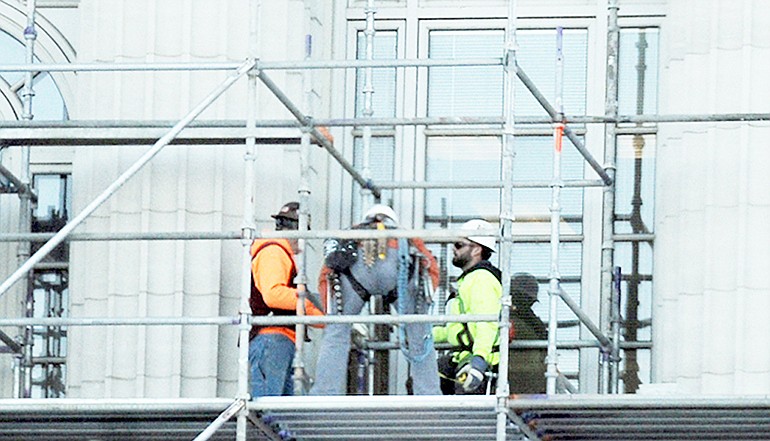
{"x": 404, "y": 259}
{"x": 357, "y": 287}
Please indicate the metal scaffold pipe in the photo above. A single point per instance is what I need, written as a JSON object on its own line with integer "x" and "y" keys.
{"x": 223, "y": 417}
{"x": 25, "y": 204}
{"x": 368, "y": 111}
{"x": 608, "y": 196}
{"x": 366, "y": 193}
{"x": 261, "y": 65}
{"x": 615, "y": 325}
{"x": 303, "y": 192}
{"x": 556, "y": 185}
{"x": 125, "y": 176}
{"x": 247, "y": 227}
{"x": 395, "y": 121}
{"x": 502, "y": 391}
{"x": 254, "y": 320}
{"x": 434, "y": 236}
{"x": 557, "y": 116}
{"x": 483, "y": 184}
{"x": 319, "y": 137}
{"x": 584, "y": 319}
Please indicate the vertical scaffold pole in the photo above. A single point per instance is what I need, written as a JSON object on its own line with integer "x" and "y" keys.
{"x": 616, "y": 324}
{"x": 25, "y": 205}
{"x": 248, "y": 228}
{"x": 366, "y": 194}
{"x": 368, "y": 110}
{"x": 298, "y": 364}
{"x": 556, "y": 186}
{"x": 608, "y": 204}
{"x": 502, "y": 391}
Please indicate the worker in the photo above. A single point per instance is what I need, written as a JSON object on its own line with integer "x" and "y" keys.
{"x": 475, "y": 354}
{"x": 354, "y": 271}
{"x": 526, "y": 367}
{"x": 274, "y": 292}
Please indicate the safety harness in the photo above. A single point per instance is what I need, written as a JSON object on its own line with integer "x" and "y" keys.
{"x": 340, "y": 255}
{"x": 402, "y": 287}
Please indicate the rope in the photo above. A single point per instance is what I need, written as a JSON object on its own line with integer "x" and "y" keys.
{"x": 402, "y": 289}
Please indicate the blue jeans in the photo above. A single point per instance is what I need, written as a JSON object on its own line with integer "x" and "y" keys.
{"x": 270, "y": 371}
{"x": 332, "y": 366}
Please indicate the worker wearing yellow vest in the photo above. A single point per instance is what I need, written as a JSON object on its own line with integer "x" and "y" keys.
{"x": 475, "y": 345}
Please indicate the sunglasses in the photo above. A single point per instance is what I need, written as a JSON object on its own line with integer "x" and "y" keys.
{"x": 283, "y": 223}
{"x": 461, "y": 245}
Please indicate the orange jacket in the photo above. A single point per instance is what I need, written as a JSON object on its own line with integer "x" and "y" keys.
{"x": 428, "y": 261}
{"x": 271, "y": 270}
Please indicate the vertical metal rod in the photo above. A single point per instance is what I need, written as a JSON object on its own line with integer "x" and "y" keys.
{"x": 366, "y": 194}
{"x": 502, "y": 391}
{"x": 608, "y": 196}
{"x": 368, "y": 111}
{"x": 248, "y": 228}
{"x": 615, "y": 351}
{"x": 552, "y": 372}
{"x": 131, "y": 171}
{"x": 25, "y": 205}
{"x": 298, "y": 364}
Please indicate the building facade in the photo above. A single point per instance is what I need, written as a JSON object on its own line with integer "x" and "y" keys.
{"x": 688, "y": 196}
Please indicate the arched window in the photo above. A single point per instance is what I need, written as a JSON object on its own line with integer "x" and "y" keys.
{"x": 48, "y": 290}
{"x": 48, "y": 103}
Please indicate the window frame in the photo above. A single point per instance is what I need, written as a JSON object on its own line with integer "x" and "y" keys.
{"x": 350, "y": 189}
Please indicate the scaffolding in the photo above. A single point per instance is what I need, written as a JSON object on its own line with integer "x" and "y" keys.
{"x": 496, "y": 417}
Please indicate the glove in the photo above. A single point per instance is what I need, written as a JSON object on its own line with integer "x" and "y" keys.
{"x": 339, "y": 254}
{"x": 471, "y": 376}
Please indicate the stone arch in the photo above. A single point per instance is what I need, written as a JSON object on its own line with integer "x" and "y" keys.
{"x": 51, "y": 46}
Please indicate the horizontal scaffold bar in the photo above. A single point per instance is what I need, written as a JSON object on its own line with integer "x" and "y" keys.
{"x": 315, "y": 234}
{"x": 373, "y": 121}
{"x": 430, "y": 236}
{"x": 169, "y": 406}
{"x": 363, "y": 402}
{"x": 526, "y": 344}
{"x": 254, "y": 320}
{"x": 259, "y": 65}
{"x": 395, "y": 185}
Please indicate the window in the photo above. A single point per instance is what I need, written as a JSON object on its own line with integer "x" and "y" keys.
{"x": 383, "y": 105}
{"x": 50, "y": 287}
{"x": 48, "y": 102}
{"x": 48, "y": 294}
{"x": 478, "y": 91}
{"x": 635, "y": 197}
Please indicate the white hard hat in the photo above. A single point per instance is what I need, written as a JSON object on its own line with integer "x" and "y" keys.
{"x": 381, "y": 211}
{"x": 480, "y": 224}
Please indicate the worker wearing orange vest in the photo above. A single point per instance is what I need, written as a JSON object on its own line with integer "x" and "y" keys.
{"x": 273, "y": 292}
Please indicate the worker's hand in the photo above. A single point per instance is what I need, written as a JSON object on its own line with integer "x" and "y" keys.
{"x": 471, "y": 376}
{"x": 340, "y": 254}
{"x": 315, "y": 299}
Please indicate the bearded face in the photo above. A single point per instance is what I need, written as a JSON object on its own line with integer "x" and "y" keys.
{"x": 462, "y": 253}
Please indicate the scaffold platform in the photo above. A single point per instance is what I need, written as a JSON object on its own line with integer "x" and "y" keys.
{"x": 546, "y": 418}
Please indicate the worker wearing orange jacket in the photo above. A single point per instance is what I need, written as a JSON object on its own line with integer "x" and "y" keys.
{"x": 273, "y": 292}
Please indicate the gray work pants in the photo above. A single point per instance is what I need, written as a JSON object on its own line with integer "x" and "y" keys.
{"x": 379, "y": 279}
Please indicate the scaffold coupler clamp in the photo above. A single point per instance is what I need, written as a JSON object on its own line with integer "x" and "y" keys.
{"x": 255, "y": 70}
{"x": 247, "y": 235}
